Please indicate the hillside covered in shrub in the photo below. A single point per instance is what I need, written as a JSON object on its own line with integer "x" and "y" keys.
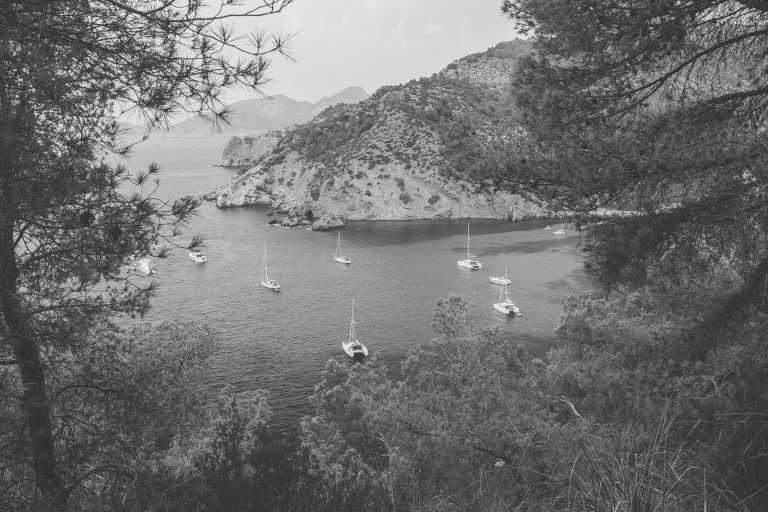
{"x": 440, "y": 146}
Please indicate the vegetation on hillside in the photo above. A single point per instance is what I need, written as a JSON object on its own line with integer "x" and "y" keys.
{"x": 656, "y": 398}
{"x": 476, "y": 125}
{"x": 475, "y": 422}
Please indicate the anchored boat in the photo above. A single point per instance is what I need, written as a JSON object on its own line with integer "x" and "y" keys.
{"x": 197, "y": 256}
{"x": 503, "y": 280}
{"x": 338, "y": 257}
{"x": 505, "y": 305}
{"x": 352, "y": 347}
{"x": 267, "y": 282}
{"x": 469, "y": 263}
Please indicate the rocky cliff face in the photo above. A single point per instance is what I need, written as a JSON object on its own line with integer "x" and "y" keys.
{"x": 490, "y": 68}
{"x": 245, "y": 151}
{"x": 433, "y": 148}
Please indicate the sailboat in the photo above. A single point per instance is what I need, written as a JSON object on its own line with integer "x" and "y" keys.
{"x": 470, "y": 262}
{"x": 338, "y": 257}
{"x": 197, "y": 256}
{"x": 503, "y": 280}
{"x": 267, "y": 282}
{"x": 352, "y": 347}
{"x": 505, "y": 305}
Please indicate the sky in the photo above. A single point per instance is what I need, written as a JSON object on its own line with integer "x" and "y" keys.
{"x": 370, "y": 43}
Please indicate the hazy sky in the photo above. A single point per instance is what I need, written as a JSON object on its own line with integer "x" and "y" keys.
{"x": 370, "y": 43}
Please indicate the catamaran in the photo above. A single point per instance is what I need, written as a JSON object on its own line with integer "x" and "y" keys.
{"x": 352, "y": 347}
{"x": 470, "y": 262}
{"x": 197, "y": 256}
{"x": 267, "y": 282}
{"x": 503, "y": 280}
{"x": 505, "y": 305}
{"x": 338, "y": 257}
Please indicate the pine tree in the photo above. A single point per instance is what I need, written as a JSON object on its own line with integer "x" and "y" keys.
{"x": 68, "y": 220}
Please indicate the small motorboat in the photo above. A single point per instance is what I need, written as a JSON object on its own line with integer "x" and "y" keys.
{"x": 197, "y": 256}
{"x": 560, "y": 231}
{"x": 548, "y": 228}
{"x": 469, "y": 263}
{"x": 352, "y": 347}
{"x": 338, "y": 257}
{"x": 502, "y": 280}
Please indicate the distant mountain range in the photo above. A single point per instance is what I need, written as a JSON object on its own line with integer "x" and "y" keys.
{"x": 262, "y": 114}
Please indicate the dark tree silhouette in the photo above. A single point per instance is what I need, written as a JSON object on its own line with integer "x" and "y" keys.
{"x": 68, "y": 221}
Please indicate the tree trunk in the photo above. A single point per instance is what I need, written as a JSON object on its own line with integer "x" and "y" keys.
{"x": 35, "y": 402}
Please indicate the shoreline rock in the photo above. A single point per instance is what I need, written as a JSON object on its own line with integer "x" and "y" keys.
{"x": 327, "y": 222}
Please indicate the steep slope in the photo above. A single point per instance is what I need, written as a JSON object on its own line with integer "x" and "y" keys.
{"x": 263, "y": 114}
{"x": 245, "y": 151}
{"x": 434, "y": 147}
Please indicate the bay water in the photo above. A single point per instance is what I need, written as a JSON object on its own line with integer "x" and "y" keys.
{"x": 400, "y": 269}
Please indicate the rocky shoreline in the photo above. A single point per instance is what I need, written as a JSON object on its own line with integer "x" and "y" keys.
{"x": 293, "y": 218}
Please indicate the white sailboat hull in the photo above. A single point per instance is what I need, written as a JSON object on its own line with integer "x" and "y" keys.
{"x": 469, "y": 264}
{"x": 503, "y": 281}
{"x": 354, "y": 349}
{"x": 507, "y": 308}
{"x": 338, "y": 257}
{"x": 267, "y": 282}
{"x": 197, "y": 257}
{"x": 271, "y": 284}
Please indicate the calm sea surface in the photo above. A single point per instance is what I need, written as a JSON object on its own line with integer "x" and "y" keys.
{"x": 280, "y": 341}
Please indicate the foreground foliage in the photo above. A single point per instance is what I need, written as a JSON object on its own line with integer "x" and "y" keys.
{"x": 69, "y": 222}
{"x": 477, "y": 423}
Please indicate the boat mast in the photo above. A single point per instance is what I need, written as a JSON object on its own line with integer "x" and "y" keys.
{"x": 338, "y": 245}
{"x": 266, "y": 272}
{"x": 468, "y": 257}
{"x": 352, "y": 338}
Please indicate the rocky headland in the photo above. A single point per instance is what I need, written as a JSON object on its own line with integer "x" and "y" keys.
{"x": 437, "y": 147}
{"x": 244, "y": 152}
